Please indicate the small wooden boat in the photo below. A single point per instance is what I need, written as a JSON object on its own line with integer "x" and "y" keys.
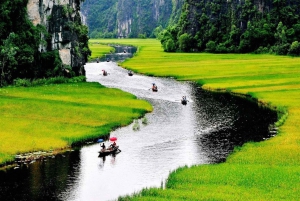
{"x": 111, "y": 150}
{"x": 104, "y": 73}
{"x": 130, "y": 73}
{"x": 154, "y": 89}
{"x": 183, "y": 102}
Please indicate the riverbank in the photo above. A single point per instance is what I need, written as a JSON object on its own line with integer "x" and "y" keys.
{"x": 267, "y": 170}
{"x": 54, "y": 117}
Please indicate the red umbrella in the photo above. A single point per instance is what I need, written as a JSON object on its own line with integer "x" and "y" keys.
{"x": 113, "y": 139}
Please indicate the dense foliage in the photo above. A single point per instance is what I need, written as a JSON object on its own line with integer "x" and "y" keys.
{"x": 223, "y": 26}
{"x": 101, "y": 17}
{"x": 20, "y": 42}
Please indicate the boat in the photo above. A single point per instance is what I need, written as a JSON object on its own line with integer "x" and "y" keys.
{"x": 111, "y": 150}
{"x": 104, "y": 73}
{"x": 154, "y": 89}
{"x": 130, "y": 73}
{"x": 183, "y": 102}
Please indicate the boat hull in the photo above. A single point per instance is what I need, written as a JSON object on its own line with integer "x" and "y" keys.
{"x": 183, "y": 102}
{"x": 109, "y": 151}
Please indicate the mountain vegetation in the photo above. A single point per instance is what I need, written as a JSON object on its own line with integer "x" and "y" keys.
{"x": 221, "y": 26}
{"x": 20, "y": 42}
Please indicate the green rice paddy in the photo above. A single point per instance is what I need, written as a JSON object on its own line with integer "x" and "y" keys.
{"x": 268, "y": 170}
{"x": 54, "y": 116}
{"x": 99, "y": 50}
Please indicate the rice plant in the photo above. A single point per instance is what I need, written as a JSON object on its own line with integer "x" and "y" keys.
{"x": 267, "y": 170}
{"x": 136, "y": 125}
{"x": 56, "y": 116}
{"x": 144, "y": 121}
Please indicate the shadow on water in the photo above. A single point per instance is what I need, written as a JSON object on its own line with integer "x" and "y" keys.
{"x": 203, "y": 131}
{"x": 236, "y": 121}
{"x": 43, "y": 180}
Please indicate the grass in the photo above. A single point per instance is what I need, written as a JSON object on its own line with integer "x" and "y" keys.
{"x": 268, "y": 170}
{"x": 99, "y": 50}
{"x": 56, "y": 116}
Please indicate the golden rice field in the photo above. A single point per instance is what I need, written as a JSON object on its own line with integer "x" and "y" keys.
{"x": 268, "y": 170}
{"x": 55, "y": 116}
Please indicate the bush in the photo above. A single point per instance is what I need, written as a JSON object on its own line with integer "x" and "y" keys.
{"x": 294, "y": 49}
{"x": 142, "y": 36}
{"x": 22, "y": 82}
{"x": 169, "y": 45}
{"x": 282, "y": 49}
{"x": 262, "y": 50}
{"x": 211, "y": 46}
{"x": 221, "y": 48}
{"x": 53, "y": 80}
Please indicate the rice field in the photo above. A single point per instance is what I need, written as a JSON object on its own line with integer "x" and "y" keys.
{"x": 54, "y": 116}
{"x": 268, "y": 170}
{"x": 99, "y": 50}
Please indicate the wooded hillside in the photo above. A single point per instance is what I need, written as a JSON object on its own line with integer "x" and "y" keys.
{"x": 236, "y": 26}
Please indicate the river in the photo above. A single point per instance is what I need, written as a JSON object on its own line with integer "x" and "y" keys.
{"x": 202, "y": 132}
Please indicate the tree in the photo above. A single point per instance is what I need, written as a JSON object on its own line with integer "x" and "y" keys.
{"x": 280, "y": 35}
{"x": 185, "y": 41}
{"x": 211, "y": 46}
{"x": 7, "y": 55}
{"x": 169, "y": 39}
{"x": 157, "y": 32}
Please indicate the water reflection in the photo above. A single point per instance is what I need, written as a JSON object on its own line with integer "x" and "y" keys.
{"x": 204, "y": 131}
{"x": 40, "y": 180}
{"x": 121, "y": 53}
{"x": 236, "y": 121}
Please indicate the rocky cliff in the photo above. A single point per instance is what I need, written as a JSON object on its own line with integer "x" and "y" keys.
{"x": 62, "y": 20}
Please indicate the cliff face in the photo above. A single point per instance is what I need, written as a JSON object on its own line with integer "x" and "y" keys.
{"x": 129, "y": 18}
{"x": 60, "y": 18}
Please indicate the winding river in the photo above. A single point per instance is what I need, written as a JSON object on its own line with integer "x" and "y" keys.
{"x": 203, "y": 131}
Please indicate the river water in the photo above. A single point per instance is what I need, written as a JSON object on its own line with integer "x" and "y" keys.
{"x": 203, "y": 131}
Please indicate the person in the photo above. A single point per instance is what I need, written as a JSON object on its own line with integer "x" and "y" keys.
{"x": 113, "y": 145}
{"x": 103, "y": 146}
{"x": 98, "y": 60}
{"x": 154, "y": 87}
{"x": 104, "y": 72}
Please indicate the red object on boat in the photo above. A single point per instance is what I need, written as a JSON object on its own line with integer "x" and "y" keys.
{"x": 113, "y": 139}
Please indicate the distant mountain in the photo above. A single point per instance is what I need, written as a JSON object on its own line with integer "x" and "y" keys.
{"x": 129, "y": 18}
